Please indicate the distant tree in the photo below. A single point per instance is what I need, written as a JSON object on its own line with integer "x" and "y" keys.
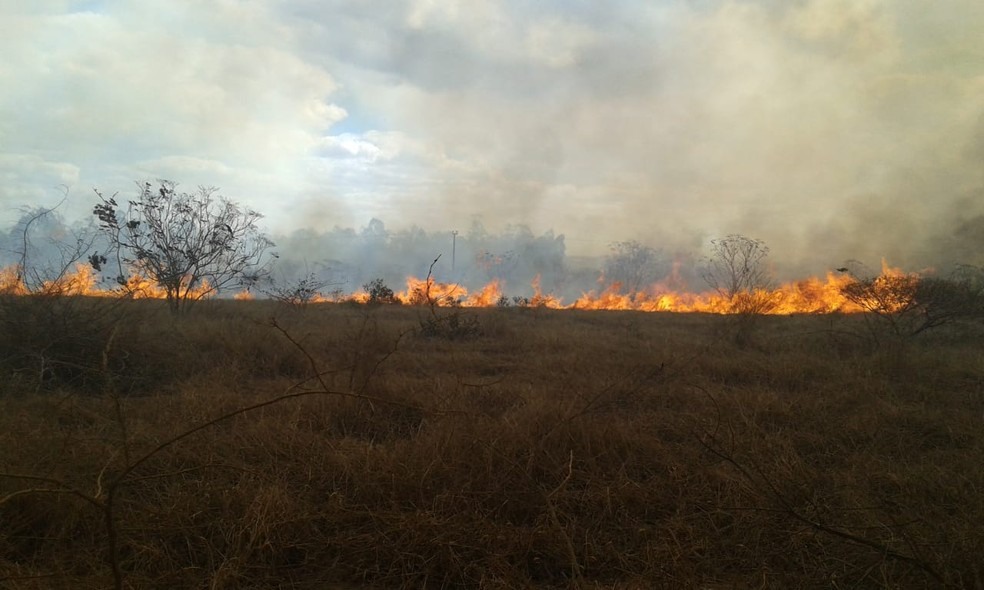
{"x": 191, "y": 245}
{"x": 375, "y": 232}
{"x": 541, "y": 256}
{"x": 495, "y": 266}
{"x": 633, "y": 266}
{"x": 476, "y": 231}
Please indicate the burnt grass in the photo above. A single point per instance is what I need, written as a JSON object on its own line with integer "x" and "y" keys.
{"x": 532, "y": 449}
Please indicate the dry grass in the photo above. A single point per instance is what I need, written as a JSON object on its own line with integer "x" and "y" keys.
{"x": 553, "y": 449}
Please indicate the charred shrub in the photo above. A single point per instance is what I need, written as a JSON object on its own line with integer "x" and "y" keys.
{"x": 379, "y": 292}
{"x": 520, "y": 301}
{"x": 422, "y": 295}
{"x": 297, "y": 293}
{"x": 456, "y": 325}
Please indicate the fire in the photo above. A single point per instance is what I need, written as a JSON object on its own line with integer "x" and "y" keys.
{"x": 431, "y": 292}
{"x": 541, "y": 300}
{"x": 892, "y": 291}
{"x": 80, "y": 282}
{"x": 427, "y": 291}
{"x": 487, "y": 297}
{"x": 809, "y": 296}
{"x": 11, "y": 282}
{"x": 84, "y": 281}
{"x": 813, "y": 295}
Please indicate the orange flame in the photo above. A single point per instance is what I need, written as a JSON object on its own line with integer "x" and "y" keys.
{"x": 428, "y": 291}
{"x": 85, "y": 281}
{"x": 487, "y": 297}
{"x": 813, "y": 295}
{"x": 81, "y": 282}
{"x": 11, "y": 282}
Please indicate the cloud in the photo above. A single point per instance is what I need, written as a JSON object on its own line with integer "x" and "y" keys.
{"x": 149, "y": 89}
{"x": 28, "y": 181}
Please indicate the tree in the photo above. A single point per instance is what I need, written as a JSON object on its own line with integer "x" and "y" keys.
{"x": 190, "y": 245}
{"x": 633, "y": 266}
{"x": 736, "y": 266}
{"x": 736, "y": 270}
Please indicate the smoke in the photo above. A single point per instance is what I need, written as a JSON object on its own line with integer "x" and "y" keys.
{"x": 830, "y": 129}
{"x": 346, "y": 258}
{"x": 44, "y": 246}
{"x": 520, "y": 261}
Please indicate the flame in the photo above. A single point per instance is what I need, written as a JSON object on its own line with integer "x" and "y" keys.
{"x": 540, "y": 299}
{"x": 814, "y": 295}
{"x": 428, "y": 291}
{"x": 892, "y": 291}
{"x": 81, "y": 282}
{"x": 487, "y": 297}
{"x": 11, "y": 282}
{"x": 85, "y": 281}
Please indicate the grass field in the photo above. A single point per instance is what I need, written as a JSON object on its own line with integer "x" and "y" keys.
{"x": 487, "y": 448}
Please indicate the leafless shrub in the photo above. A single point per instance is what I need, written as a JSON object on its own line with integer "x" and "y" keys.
{"x": 47, "y": 253}
{"x": 191, "y": 245}
{"x": 297, "y": 293}
{"x": 452, "y": 325}
{"x": 49, "y": 334}
{"x": 736, "y": 270}
{"x": 736, "y": 266}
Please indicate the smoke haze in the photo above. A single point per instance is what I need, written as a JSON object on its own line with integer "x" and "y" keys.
{"x": 831, "y": 129}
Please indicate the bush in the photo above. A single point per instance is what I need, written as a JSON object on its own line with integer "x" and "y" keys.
{"x": 906, "y": 305}
{"x": 190, "y": 245}
{"x": 736, "y": 270}
{"x": 50, "y": 340}
{"x": 296, "y": 293}
{"x": 379, "y": 292}
{"x": 453, "y": 326}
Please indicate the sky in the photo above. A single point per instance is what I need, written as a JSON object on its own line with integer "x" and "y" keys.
{"x": 831, "y": 129}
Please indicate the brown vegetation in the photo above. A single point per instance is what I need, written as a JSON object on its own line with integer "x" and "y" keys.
{"x": 538, "y": 448}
